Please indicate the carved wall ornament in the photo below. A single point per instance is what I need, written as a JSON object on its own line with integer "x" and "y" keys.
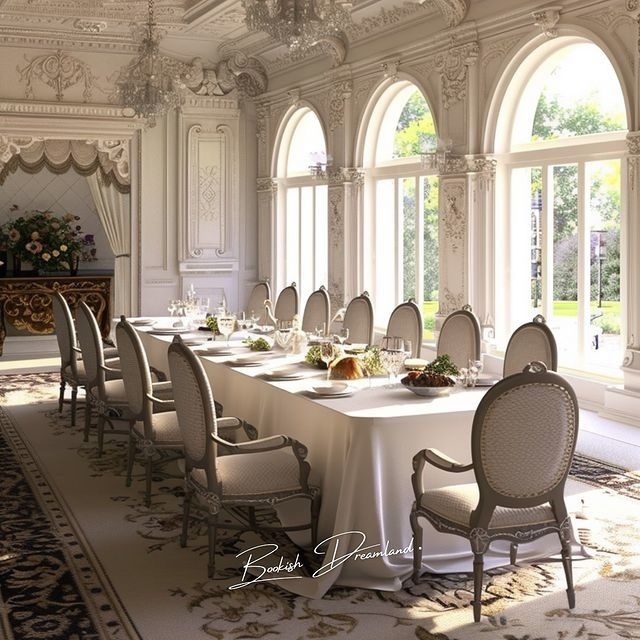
{"x": 236, "y": 71}
{"x": 58, "y": 71}
{"x": 353, "y": 175}
{"x": 10, "y": 147}
{"x": 494, "y": 51}
{"x": 484, "y": 167}
{"x": 336, "y": 217}
{"x": 453, "y": 11}
{"x": 336, "y": 102}
{"x": 390, "y": 69}
{"x": 453, "y": 67}
{"x": 632, "y": 5}
{"x": 633, "y": 161}
{"x": 293, "y": 97}
{"x": 209, "y": 188}
{"x": 547, "y": 19}
{"x": 262, "y": 117}
{"x": 610, "y": 18}
{"x": 454, "y": 213}
{"x": 89, "y": 26}
{"x": 382, "y": 21}
{"x": 633, "y": 142}
{"x": 451, "y": 302}
{"x": 267, "y": 184}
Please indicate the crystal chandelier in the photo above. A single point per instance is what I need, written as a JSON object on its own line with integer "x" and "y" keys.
{"x": 150, "y": 85}
{"x": 299, "y": 24}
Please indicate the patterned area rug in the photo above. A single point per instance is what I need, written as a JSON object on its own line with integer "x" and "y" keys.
{"x": 82, "y": 558}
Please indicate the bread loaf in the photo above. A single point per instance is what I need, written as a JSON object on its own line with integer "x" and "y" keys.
{"x": 346, "y": 368}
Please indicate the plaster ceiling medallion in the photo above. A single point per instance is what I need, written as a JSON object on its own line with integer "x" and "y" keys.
{"x": 303, "y": 24}
{"x": 453, "y": 11}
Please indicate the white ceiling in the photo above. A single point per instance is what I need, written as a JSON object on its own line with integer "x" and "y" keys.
{"x": 193, "y": 27}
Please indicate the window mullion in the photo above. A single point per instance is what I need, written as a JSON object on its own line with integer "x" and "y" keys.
{"x": 398, "y": 217}
{"x": 547, "y": 241}
{"x": 584, "y": 274}
{"x": 419, "y": 244}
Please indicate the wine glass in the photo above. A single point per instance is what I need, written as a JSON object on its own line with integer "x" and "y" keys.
{"x": 173, "y": 307}
{"x": 327, "y": 354}
{"x": 320, "y": 330}
{"x": 474, "y": 370}
{"x": 392, "y": 355}
{"x": 342, "y": 336}
{"x": 226, "y": 325}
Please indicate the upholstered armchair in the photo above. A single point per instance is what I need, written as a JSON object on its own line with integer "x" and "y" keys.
{"x": 258, "y": 473}
{"x": 523, "y": 438}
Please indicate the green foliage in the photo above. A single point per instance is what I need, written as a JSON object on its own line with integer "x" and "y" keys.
{"x": 259, "y": 344}
{"x": 212, "y": 323}
{"x": 371, "y": 361}
{"x": 416, "y": 131}
{"x": 442, "y": 365}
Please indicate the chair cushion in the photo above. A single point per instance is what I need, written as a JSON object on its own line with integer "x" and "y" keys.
{"x": 115, "y": 392}
{"x": 165, "y": 429}
{"x": 456, "y": 503}
{"x": 264, "y": 473}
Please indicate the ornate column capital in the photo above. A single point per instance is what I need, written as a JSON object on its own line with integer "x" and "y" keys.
{"x": 267, "y": 185}
{"x": 633, "y": 143}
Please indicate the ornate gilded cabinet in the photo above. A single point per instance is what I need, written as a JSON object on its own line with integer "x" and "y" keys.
{"x": 26, "y": 302}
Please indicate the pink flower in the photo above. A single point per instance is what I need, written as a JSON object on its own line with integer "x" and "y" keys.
{"x": 14, "y": 235}
{"x": 46, "y": 257}
{"x": 55, "y": 225}
{"x": 55, "y": 253}
{"x": 34, "y": 247}
{"x": 35, "y": 235}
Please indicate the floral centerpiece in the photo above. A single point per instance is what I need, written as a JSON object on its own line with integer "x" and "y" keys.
{"x": 48, "y": 242}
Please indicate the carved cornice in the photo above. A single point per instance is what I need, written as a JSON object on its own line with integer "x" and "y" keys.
{"x": 453, "y": 11}
{"x": 453, "y": 67}
{"x": 62, "y": 109}
{"x": 547, "y": 19}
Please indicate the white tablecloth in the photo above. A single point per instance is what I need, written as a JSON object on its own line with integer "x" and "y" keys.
{"x": 360, "y": 450}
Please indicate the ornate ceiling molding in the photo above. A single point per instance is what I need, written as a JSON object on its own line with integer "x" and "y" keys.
{"x": 454, "y": 11}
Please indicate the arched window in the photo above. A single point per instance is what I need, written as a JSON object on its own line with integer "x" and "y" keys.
{"x": 302, "y": 227}
{"x": 562, "y": 128}
{"x": 401, "y": 203}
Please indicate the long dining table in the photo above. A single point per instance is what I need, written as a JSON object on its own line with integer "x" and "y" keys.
{"x": 360, "y": 451}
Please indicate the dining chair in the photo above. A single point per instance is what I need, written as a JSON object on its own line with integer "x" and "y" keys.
{"x": 260, "y": 292}
{"x": 459, "y": 337}
{"x": 151, "y": 431}
{"x": 317, "y": 311}
{"x": 105, "y": 389}
{"x": 522, "y": 440}
{"x": 406, "y": 322}
{"x": 287, "y": 303}
{"x": 262, "y": 472}
{"x": 532, "y": 341}
{"x": 358, "y": 319}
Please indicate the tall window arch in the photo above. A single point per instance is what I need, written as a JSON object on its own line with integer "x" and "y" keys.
{"x": 302, "y": 219}
{"x": 562, "y": 131}
{"x": 401, "y": 203}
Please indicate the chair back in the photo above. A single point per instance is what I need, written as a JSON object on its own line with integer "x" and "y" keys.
{"x": 287, "y": 303}
{"x": 531, "y": 341}
{"x": 260, "y": 293}
{"x": 460, "y": 337}
{"x": 317, "y": 310}
{"x": 358, "y": 318}
{"x": 194, "y": 404}
{"x": 135, "y": 373}
{"x": 523, "y": 438}
{"x": 406, "y": 322}
{"x": 90, "y": 345}
{"x": 65, "y": 332}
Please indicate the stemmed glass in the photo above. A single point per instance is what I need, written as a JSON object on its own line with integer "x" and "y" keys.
{"x": 226, "y": 325}
{"x": 474, "y": 370}
{"x": 327, "y": 354}
{"x": 342, "y": 336}
{"x": 392, "y": 356}
{"x": 173, "y": 307}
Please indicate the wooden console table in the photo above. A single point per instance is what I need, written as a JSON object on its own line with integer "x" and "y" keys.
{"x": 25, "y": 303}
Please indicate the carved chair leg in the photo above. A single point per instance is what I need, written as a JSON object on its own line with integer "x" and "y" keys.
{"x": 315, "y": 514}
{"x": 87, "y": 420}
{"x": 186, "y": 508}
{"x": 252, "y": 518}
{"x": 63, "y": 386}
{"x": 101, "y": 422}
{"x": 212, "y": 527}
{"x": 131, "y": 452}
{"x": 513, "y": 553}
{"x": 417, "y": 545}
{"x": 568, "y": 570}
{"x": 74, "y": 405}
{"x": 478, "y": 568}
{"x": 148, "y": 473}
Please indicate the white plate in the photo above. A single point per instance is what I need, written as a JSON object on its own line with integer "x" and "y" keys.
{"x": 193, "y": 342}
{"x": 486, "y": 380}
{"x": 170, "y": 330}
{"x": 245, "y": 362}
{"x": 141, "y": 322}
{"x": 215, "y": 352}
{"x": 333, "y": 389}
{"x": 283, "y": 374}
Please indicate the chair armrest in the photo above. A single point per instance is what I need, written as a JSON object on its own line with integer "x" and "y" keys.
{"x": 163, "y": 390}
{"x": 436, "y": 459}
{"x": 159, "y": 401}
{"x": 110, "y": 352}
{"x": 229, "y": 423}
{"x": 107, "y": 369}
{"x": 271, "y": 443}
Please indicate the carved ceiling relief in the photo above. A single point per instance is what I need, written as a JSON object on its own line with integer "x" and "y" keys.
{"x": 453, "y": 67}
{"x": 337, "y": 101}
{"x": 453, "y": 11}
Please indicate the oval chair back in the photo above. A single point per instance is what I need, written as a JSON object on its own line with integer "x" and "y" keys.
{"x": 287, "y": 303}
{"x": 460, "y": 337}
{"x": 317, "y": 310}
{"x": 90, "y": 345}
{"x": 259, "y": 293}
{"x": 406, "y": 322}
{"x": 65, "y": 333}
{"x": 531, "y": 341}
{"x": 358, "y": 318}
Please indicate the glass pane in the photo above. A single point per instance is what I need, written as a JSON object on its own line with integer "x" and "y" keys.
{"x": 603, "y": 219}
{"x": 322, "y": 238}
{"x": 385, "y": 267}
{"x": 575, "y": 92}
{"x": 430, "y": 270}
{"x": 292, "y": 236}
{"x": 415, "y": 131}
{"x": 307, "y": 139}
{"x": 565, "y": 261}
{"x": 535, "y": 243}
{"x": 408, "y": 186}
{"x": 306, "y": 278}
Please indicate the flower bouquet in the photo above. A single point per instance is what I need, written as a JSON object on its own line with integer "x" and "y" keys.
{"x": 48, "y": 242}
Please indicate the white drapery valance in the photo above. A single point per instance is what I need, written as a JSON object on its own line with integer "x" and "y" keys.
{"x": 109, "y": 157}
{"x": 113, "y": 211}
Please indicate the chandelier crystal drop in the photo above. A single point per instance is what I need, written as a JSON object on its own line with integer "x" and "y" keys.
{"x": 150, "y": 85}
{"x": 299, "y": 24}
